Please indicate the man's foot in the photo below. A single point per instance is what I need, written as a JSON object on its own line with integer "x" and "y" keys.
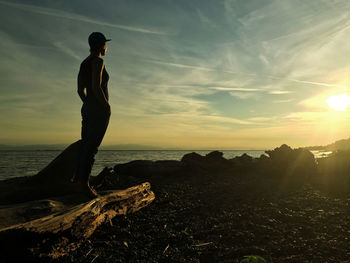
{"x": 85, "y": 188}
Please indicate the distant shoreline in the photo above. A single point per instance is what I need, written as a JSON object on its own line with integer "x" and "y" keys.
{"x": 106, "y": 150}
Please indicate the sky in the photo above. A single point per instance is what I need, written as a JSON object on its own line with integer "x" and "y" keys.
{"x": 225, "y": 74}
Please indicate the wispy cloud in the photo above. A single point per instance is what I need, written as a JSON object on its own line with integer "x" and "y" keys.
{"x": 77, "y": 17}
{"x": 279, "y": 92}
{"x": 257, "y": 76}
{"x": 234, "y": 89}
{"x": 177, "y": 65}
{"x": 322, "y": 84}
{"x": 66, "y": 50}
{"x": 242, "y": 95}
{"x": 282, "y": 101}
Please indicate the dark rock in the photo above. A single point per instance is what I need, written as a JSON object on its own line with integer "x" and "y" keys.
{"x": 215, "y": 155}
{"x": 263, "y": 157}
{"x": 334, "y": 172}
{"x": 243, "y": 159}
{"x": 137, "y": 167}
{"x": 243, "y": 163}
{"x": 169, "y": 167}
{"x": 192, "y": 158}
{"x": 147, "y": 169}
{"x": 285, "y": 161}
{"x": 213, "y": 161}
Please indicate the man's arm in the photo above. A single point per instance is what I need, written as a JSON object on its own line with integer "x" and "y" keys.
{"x": 97, "y": 68}
{"x": 81, "y": 89}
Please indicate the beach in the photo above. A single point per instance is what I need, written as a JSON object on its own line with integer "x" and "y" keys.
{"x": 282, "y": 207}
{"x": 223, "y": 218}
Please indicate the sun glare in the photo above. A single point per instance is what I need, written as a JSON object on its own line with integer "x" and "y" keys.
{"x": 338, "y": 102}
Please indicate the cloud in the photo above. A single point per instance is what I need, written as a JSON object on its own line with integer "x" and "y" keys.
{"x": 279, "y": 92}
{"x": 179, "y": 65}
{"x": 234, "y": 89}
{"x": 66, "y": 50}
{"x": 204, "y": 19}
{"x": 330, "y": 85}
{"x": 261, "y": 119}
{"x": 76, "y": 17}
{"x": 282, "y": 101}
{"x": 242, "y": 95}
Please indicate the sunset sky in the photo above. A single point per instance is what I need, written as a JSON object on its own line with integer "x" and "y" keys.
{"x": 226, "y": 74}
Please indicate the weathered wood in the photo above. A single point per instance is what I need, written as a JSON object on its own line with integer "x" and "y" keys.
{"x": 68, "y": 224}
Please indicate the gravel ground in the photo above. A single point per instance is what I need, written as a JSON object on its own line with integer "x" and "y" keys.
{"x": 222, "y": 218}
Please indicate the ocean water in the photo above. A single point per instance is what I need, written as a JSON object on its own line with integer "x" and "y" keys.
{"x": 23, "y": 163}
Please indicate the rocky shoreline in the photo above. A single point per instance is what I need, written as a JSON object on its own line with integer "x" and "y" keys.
{"x": 191, "y": 222}
{"x": 208, "y": 209}
{"x": 284, "y": 207}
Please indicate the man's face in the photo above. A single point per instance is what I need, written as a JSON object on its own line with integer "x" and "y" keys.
{"x": 104, "y": 49}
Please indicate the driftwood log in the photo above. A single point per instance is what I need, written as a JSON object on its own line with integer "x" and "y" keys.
{"x": 41, "y": 216}
{"x": 59, "y": 233}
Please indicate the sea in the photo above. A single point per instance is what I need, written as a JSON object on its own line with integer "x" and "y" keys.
{"x": 17, "y": 163}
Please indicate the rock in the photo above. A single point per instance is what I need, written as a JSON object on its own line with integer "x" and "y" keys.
{"x": 287, "y": 162}
{"x": 244, "y": 159}
{"x": 213, "y": 161}
{"x": 140, "y": 168}
{"x": 189, "y": 163}
{"x": 192, "y": 158}
{"x": 334, "y": 171}
{"x": 215, "y": 155}
{"x": 168, "y": 167}
{"x": 243, "y": 163}
{"x": 149, "y": 169}
{"x": 263, "y": 157}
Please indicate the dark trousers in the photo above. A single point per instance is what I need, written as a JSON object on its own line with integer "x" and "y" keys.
{"x": 94, "y": 126}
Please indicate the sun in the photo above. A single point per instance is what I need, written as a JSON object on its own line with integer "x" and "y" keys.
{"x": 338, "y": 102}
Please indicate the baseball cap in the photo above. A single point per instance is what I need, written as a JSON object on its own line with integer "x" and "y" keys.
{"x": 97, "y": 39}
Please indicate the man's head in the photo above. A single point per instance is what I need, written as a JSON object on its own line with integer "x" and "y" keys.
{"x": 97, "y": 43}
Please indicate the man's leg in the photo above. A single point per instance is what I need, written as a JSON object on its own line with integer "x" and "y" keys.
{"x": 94, "y": 126}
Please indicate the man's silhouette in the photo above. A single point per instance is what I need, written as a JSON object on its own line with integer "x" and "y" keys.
{"x": 96, "y": 111}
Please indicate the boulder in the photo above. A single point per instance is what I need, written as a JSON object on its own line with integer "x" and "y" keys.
{"x": 215, "y": 156}
{"x": 149, "y": 169}
{"x": 288, "y": 162}
{"x": 192, "y": 158}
